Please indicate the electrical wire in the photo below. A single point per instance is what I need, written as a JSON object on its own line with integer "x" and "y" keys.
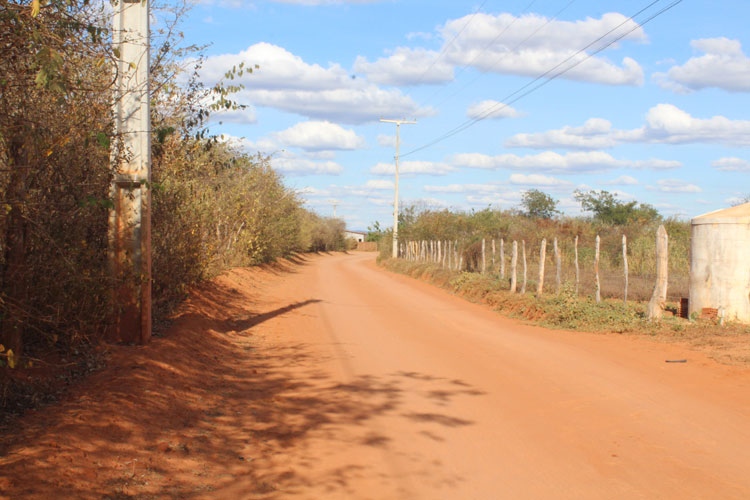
{"x": 519, "y": 93}
{"x": 465, "y": 66}
{"x": 515, "y": 47}
{"x": 446, "y": 46}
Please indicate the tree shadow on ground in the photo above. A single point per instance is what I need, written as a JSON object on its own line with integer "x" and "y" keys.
{"x": 205, "y": 408}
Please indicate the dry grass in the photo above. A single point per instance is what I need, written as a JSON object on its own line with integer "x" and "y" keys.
{"x": 728, "y": 344}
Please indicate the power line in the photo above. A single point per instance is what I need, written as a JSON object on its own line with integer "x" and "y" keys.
{"x": 445, "y": 47}
{"x": 519, "y": 92}
{"x": 465, "y": 66}
{"x": 515, "y": 47}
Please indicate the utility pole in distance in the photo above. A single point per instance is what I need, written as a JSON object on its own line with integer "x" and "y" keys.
{"x": 130, "y": 216}
{"x": 395, "y": 197}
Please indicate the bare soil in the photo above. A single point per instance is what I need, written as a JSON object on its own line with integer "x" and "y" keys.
{"x": 331, "y": 378}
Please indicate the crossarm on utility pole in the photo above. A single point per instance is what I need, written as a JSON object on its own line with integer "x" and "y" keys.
{"x": 395, "y": 196}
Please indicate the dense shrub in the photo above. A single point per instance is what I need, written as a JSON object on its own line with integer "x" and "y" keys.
{"x": 213, "y": 206}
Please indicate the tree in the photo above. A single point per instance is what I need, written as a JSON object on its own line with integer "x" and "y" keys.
{"x": 374, "y": 232}
{"x": 539, "y": 205}
{"x": 608, "y": 209}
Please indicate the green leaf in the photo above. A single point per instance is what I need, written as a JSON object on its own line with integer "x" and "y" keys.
{"x": 102, "y": 139}
{"x": 34, "y": 12}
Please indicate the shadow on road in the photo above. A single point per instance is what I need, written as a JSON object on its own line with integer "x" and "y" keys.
{"x": 210, "y": 407}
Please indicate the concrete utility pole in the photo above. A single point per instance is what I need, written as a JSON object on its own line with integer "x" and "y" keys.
{"x": 395, "y": 198}
{"x": 130, "y": 218}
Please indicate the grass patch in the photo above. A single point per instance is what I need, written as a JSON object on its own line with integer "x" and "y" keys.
{"x": 729, "y": 344}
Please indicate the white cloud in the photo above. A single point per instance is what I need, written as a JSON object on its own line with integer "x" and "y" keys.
{"x": 596, "y": 133}
{"x": 320, "y": 136}
{"x": 732, "y": 164}
{"x": 293, "y": 165}
{"x": 465, "y": 188}
{"x": 624, "y": 180}
{"x": 387, "y": 141}
{"x": 723, "y": 65}
{"x": 379, "y": 184}
{"x": 311, "y": 191}
{"x": 538, "y": 180}
{"x": 555, "y": 163}
{"x": 413, "y": 167}
{"x": 419, "y": 34}
{"x": 674, "y": 186}
{"x": 665, "y": 123}
{"x": 406, "y": 66}
{"x": 284, "y": 81}
{"x": 528, "y": 47}
{"x": 491, "y": 109}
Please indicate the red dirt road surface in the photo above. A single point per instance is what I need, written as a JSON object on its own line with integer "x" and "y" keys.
{"x": 331, "y": 378}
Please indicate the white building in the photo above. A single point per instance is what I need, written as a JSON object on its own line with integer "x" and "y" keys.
{"x": 357, "y": 236}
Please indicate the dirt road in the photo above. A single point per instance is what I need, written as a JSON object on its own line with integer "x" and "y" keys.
{"x": 336, "y": 379}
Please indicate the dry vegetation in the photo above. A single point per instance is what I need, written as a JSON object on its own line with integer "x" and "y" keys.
{"x": 726, "y": 343}
{"x": 213, "y": 206}
{"x": 568, "y": 309}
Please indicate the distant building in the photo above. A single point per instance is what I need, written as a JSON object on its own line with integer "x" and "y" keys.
{"x": 357, "y": 236}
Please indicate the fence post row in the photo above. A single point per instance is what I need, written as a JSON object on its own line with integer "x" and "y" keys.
{"x": 502, "y": 258}
{"x": 558, "y": 264}
{"x": 578, "y": 271}
{"x": 542, "y": 255}
{"x": 625, "y": 268}
{"x": 493, "y": 255}
{"x": 513, "y": 262}
{"x": 523, "y": 252}
{"x": 596, "y": 270}
{"x": 484, "y": 259}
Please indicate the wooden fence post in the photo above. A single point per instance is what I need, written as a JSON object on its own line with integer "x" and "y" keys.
{"x": 625, "y": 268}
{"x": 502, "y": 258}
{"x": 523, "y": 254}
{"x": 596, "y": 271}
{"x": 484, "y": 255}
{"x": 558, "y": 264}
{"x": 578, "y": 271}
{"x": 542, "y": 255}
{"x": 493, "y": 255}
{"x": 513, "y": 262}
{"x": 659, "y": 297}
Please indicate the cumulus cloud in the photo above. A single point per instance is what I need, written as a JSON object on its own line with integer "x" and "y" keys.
{"x": 387, "y": 141}
{"x": 554, "y": 163}
{"x": 406, "y": 66}
{"x": 731, "y": 164}
{"x": 413, "y": 168}
{"x": 491, "y": 109}
{"x": 379, "y": 184}
{"x": 624, "y": 180}
{"x": 285, "y": 81}
{"x": 665, "y": 123}
{"x": 294, "y": 165}
{"x": 538, "y": 181}
{"x": 527, "y": 47}
{"x": 465, "y": 188}
{"x": 674, "y": 186}
{"x": 723, "y": 65}
{"x": 320, "y": 136}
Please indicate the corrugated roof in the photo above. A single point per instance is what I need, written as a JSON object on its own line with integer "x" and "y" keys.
{"x": 738, "y": 214}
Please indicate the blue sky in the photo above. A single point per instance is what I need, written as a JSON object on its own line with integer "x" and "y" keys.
{"x": 662, "y": 116}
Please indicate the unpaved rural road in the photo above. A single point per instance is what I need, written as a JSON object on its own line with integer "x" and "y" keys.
{"x": 388, "y": 388}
